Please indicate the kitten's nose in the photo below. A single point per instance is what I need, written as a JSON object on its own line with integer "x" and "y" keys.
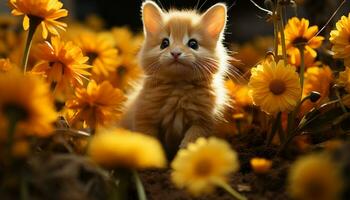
{"x": 176, "y": 54}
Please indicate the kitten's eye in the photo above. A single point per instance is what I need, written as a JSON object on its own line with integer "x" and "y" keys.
{"x": 165, "y": 43}
{"x": 193, "y": 44}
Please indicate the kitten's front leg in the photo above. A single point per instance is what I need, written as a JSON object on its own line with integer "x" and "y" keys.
{"x": 146, "y": 128}
{"x": 193, "y": 133}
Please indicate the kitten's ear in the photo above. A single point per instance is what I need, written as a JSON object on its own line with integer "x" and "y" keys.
{"x": 151, "y": 17}
{"x": 214, "y": 19}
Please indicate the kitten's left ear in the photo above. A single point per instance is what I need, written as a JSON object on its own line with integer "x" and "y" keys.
{"x": 214, "y": 20}
{"x": 151, "y": 17}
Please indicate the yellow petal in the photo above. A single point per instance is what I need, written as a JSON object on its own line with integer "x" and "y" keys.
{"x": 26, "y": 22}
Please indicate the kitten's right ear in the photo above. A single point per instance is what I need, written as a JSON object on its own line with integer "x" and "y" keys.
{"x": 151, "y": 17}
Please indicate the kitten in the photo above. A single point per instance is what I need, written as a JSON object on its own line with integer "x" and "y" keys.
{"x": 185, "y": 62}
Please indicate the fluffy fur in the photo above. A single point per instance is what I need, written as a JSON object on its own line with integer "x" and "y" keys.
{"x": 180, "y": 99}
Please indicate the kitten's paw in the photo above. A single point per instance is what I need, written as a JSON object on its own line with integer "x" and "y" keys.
{"x": 192, "y": 135}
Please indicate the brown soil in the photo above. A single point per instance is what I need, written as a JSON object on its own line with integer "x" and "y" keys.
{"x": 254, "y": 186}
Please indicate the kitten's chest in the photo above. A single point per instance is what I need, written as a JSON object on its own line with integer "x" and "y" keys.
{"x": 180, "y": 105}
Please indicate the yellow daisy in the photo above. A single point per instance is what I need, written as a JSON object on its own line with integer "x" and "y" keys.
{"x": 317, "y": 79}
{"x": 204, "y": 164}
{"x": 99, "y": 48}
{"x": 120, "y": 148}
{"x": 44, "y": 12}
{"x": 62, "y": 63}
{"x": 297, "y": 32}
{"x": 26, "y": 99}
{"x": 275, "y": 87}
{"x": 340, "y": 40}
{"x": 97, "y": 104}
{"x": 314, "y": 177}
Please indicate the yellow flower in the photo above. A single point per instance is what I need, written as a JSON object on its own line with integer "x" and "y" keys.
{"x": 97, "y": 104}
{"x": 295, "y": 59}
{"x": 204, "y": 164}
{"x": 61, "y": 63}
{"x": 314, "y": 177}
{"x": 340, "y": 40}
{"x": 99, "y": 48}
{"x": 124, "y": 149}
{"x": 297, "y": 32}
{"x": 344, "y": 79}
{"x": 260, "y": 165}
{"x": 317, "y": 79}
{"x": 27, "y": 99}
{"x": 275, "y": 87}
{"x": 126, "y": 74}
{"x": 44, "y": 12}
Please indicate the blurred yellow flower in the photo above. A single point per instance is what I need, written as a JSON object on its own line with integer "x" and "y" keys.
{"x": 97, "y": 104}
{"x": 95, "y": 22}
{"x": 297, "y": 32}
{"x": 260, "y": 165}
{"x": 239, "y": 93}
{"x": 5, "y": 65}
{"x": 20, "y": 149}
{"x": 126, "y": 43}
{"x": 317, "y": 79}
{"x": 344, "y": 79}
{"x": 99, "y": 48}
{"x": 62, "y": 63}
{"x": 44, "y": 12}
{"x": 275, "y": 87}
{"x": 340, "y": 40}
{"x": 203, "y": 164}
{"x": 314, "y": 177}
{"x": 26, "y": 99}
{"x": 120, "y": 148}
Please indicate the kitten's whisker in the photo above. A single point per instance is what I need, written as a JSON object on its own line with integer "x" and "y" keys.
{"x": 202, "y": 5}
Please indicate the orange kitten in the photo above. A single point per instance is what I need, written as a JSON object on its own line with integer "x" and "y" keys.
{"x": 184, "y": 62}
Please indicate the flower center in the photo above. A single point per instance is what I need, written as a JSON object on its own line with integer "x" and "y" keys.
{"x": 277, "y": 86}
{"x": 92, "y": 56}
{"x": 15, "y": 112}
{"x": 121, "y": 70}
{"x": 300, "y": 41}
{"x": 203, "y": 168}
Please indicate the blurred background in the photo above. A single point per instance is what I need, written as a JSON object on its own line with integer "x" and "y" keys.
{"x": 245, "y": 20}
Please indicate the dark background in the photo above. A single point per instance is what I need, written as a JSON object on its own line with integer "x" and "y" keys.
{"x": 245, "y": 20}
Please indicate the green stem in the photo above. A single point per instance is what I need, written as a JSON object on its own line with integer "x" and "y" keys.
{"x": 10, "y": 136}
{"x": 342, "y": 106}
{"x": 33, "y": 24}
{"x": 24, "y": 187}
{"x": 283, "y": 41}
{"x": 139, "y": 186}
{"x": 302, "y": 66}
{"x": 274, "y": 129}
{"x": 231, "y": 191}
{"x": 275, "y": 31}
{"x": 124, "y": 177}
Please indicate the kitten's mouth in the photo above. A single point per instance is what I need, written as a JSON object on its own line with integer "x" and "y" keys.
{"x": 177, "y": 62}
